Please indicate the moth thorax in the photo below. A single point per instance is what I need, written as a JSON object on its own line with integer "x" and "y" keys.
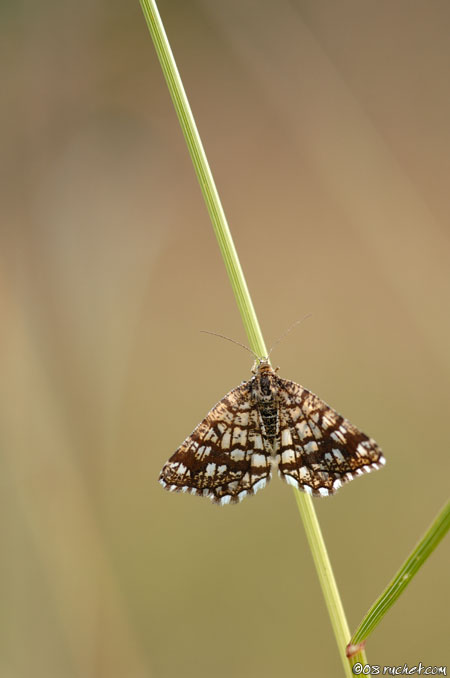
{"x": 265, "y": 384}
{"x": 264, "y": 389}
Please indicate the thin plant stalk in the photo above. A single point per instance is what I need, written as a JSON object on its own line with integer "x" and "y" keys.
{"x": 246, "y": 308}
{"x": 435, "y": 533}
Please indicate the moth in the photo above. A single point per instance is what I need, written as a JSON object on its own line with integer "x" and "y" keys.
{"x": 269, "y": 423}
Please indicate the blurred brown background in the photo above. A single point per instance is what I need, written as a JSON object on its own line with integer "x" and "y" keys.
{"x": 327, "y": 128}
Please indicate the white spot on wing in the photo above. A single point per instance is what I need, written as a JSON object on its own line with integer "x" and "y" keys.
{"x": 286, "y": 437}
{"x": 326, "y": 421}
{"x": 288, "y": 456}
{"x": 239, "y": 436}
{"x": 312, "y": 446}
{"x": 303, "y": 472}
{"x": 258, "y": 442}
{"x": 315, "y": 430}
{"x": 210, "y": 469}
{"x": 211, "y": 435}
{"x": 226, "y": 439}
{"x": 203, "y": 451}
{"x": 338, "y": 437}
{"x": 303, "y": 429}
{"x": 338, "y": 454}
{"x": 258, "y": 459}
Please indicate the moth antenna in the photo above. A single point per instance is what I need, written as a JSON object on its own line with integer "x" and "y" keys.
{"x": 233, "y": 341}
{"x": 283, "y": 336}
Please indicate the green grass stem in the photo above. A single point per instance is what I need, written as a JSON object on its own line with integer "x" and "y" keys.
{"x": 404, "y": 576}
{"x": 245, "y": 305}
{"x": 204, "y": 175}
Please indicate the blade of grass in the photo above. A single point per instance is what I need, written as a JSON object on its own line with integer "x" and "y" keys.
{"x": 245, "y": 305}
{"x": 404, "y": 576}
{"x": 327, "y": 581}
{"x": 204, "y": 175}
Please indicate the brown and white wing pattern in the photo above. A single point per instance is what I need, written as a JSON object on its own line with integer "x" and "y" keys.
{"x": 226, "y": 457}
{"x": 263, "y": 421}
{"x": 318, "y": 450}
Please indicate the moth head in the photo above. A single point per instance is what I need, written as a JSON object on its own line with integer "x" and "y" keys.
{"x": 261, "y": 364}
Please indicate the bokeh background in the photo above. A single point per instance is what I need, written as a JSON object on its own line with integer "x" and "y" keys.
{"x": 327, "y": 128}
